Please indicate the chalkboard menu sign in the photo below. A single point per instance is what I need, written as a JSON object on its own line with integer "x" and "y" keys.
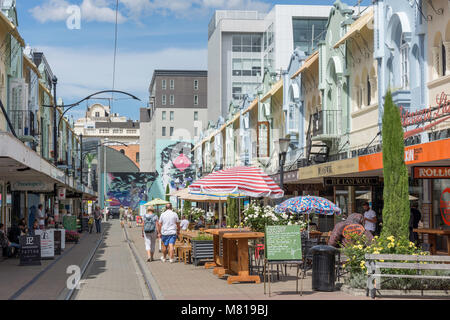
{"x": 85, "y": 224}
{"x": 30, "y": 253}
{"x": 283, "y": 243}
{"x": 70, "y": 223}
{"x": 57, "y": 239}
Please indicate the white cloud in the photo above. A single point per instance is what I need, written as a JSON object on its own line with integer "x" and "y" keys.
{"x": 90, "y": 70}
{"x": 190, "y": 7}
{"x": 91, "y": 10}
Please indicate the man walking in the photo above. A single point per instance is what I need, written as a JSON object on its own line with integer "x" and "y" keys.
{"x": 414, "y": 220}
{"x": 121, "y": 215}
{"x": 98, "y": 219}
{"x": 370, "y": 218}
{"x": 168, "y": 228}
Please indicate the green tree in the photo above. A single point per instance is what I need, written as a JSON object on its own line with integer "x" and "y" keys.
{"x": 233, "y": 211}
{"x": 187, "y": 205}
{"x": 396, "y": 211}
{"x": 167, "y": 193}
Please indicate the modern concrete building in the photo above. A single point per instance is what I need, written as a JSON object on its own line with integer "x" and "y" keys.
{"x": 176, "y": 114}
{"x": 99, "y": 122}
{"x": 241, "y": 44}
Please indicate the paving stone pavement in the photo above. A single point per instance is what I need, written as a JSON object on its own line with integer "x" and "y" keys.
{"x": 21, "y": 282}
{"x": 179, "y": 281}
{"x": 113, "y": 273}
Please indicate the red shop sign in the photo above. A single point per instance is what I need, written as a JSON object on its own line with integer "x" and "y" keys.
{"x": 431, "y": 173}
{"x": 445, "y": 206}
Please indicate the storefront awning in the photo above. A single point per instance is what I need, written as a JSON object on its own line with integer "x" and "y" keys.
{"x": 251, "y": 106}
{"x": 356, "y": 27}
{"x": 275, "y": 88}
{"x": 307, "y": 64}
{"x": 11, "y": 29}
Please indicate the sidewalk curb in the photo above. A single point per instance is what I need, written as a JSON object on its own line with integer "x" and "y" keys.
{"x": 66, "y": 293}
{"x": 152, "y": 285}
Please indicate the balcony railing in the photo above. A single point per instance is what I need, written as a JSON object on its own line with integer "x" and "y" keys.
{"x": 327, "y": 124}
{"x": 23, "y": 122}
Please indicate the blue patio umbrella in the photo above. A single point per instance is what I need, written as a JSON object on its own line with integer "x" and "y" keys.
{"x": 308, "y": 205}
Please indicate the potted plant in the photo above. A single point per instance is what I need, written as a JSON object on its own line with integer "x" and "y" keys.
{"x": 202, "y": 247}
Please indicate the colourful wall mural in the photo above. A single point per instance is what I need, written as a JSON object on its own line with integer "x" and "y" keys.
{"x": 174, "y": 165}
{"x": 128, "y": 189}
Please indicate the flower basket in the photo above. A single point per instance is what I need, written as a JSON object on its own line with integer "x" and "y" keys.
{"x": 72, "y": 236}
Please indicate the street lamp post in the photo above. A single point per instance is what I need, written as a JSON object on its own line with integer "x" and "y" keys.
{"x": 284, "y": 146}
{"x": 104, "y": 180}
{"x": 55, "y": 128}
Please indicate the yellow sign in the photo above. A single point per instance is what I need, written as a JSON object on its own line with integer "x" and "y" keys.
{"x": 329, "y": 169}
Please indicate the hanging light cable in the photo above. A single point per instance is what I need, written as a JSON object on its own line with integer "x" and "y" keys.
{"x": 115, "y": 55}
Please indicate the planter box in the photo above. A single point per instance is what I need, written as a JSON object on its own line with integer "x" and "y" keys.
{"x": 202, "y": 249}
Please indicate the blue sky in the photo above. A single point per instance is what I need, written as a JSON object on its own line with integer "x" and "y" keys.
{"x": 163, "y": 34}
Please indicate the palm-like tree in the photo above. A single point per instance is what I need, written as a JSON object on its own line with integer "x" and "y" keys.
{"x": 89, "y": 159}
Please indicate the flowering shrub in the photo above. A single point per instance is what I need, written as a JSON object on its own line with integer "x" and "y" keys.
{"x": 196, "y": 213}
{"x": 356, "y": 264}
{"x": 257, "y": 217}
{"x": 72, "y": 236}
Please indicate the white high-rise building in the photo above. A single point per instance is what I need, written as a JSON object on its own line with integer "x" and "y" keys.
{"x": 242, "y": 43}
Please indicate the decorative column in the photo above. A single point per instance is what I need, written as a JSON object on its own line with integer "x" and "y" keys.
{"x": 436, "y": 62}
{"x": 374, "y": 89}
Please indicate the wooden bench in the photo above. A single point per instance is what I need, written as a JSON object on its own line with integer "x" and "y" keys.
{"x": 413, "y": 262}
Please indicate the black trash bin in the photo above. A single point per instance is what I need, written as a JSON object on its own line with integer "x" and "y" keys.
{"x": 323, "y": 268}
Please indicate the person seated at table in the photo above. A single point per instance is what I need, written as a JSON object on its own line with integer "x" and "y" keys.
{"x": 200, "y": 223}
{"x": 184, "y": 224}
{"x": 343, "y": 231}
{"x": 6, "y": 244}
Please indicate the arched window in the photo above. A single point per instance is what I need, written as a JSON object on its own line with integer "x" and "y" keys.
{"x": 122, "y": 151}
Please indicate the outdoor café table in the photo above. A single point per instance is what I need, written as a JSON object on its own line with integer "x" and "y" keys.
{"x": 235, "y": 255}
{"x": 218, "y": 259}
{"x": 432, "y": 234}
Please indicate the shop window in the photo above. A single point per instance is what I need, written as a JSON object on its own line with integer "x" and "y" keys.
{"x": 263, "y": 136}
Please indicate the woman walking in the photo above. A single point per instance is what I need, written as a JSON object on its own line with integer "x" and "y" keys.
{"x": 130, "y": 216}
{"x": 150, "y": 232}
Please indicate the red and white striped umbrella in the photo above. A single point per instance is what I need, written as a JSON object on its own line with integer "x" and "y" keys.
{"x": 239, "y": 181}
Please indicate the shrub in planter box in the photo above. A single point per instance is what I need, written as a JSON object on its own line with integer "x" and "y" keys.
{"x": 202, "y": 248}
{"x": 72, "y": 236}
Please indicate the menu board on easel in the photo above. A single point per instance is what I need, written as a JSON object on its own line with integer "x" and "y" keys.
{"x": 47, "y": 243}
{"x": 283, "y": 243}
{"x": 57, "y": 238}
{"x": 30, "y": 253}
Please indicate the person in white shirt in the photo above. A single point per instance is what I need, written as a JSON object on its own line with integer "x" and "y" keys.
{"x": 184, "y": 224}
{"x": 370, "y": 218}
{"x": 41, "y": 216}
{"x": 168, "y": 228}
